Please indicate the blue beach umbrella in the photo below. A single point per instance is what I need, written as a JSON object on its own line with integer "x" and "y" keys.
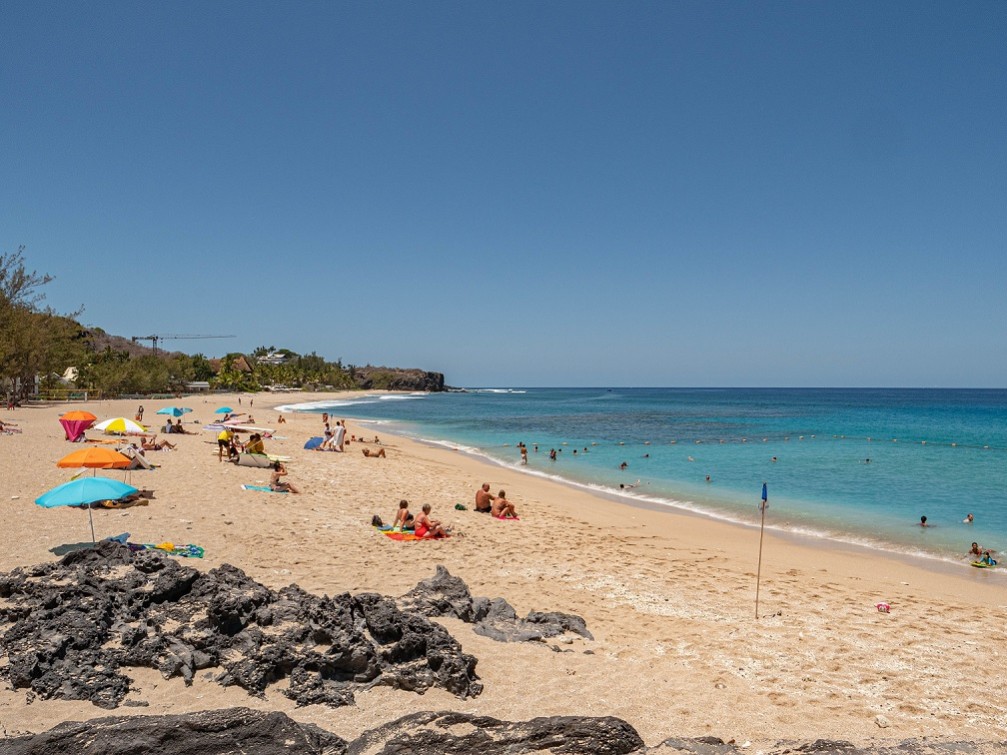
{"x": 85, "y": 491}
{"x": 174, "y": 411}
{"x": 224, "y": 410}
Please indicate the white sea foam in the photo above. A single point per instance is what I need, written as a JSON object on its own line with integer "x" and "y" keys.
{"x": 317, "y": 406}
{"x": 798, "y": 530}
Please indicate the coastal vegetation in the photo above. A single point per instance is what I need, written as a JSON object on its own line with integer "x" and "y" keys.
{"x": 44, "y": 353}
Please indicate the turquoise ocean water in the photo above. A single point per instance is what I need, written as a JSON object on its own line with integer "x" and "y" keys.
{"x": 939, "y": 453}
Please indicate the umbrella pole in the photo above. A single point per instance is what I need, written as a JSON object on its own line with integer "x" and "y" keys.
{"x": 91, "y": 520}
{"x": 758, "y": 575}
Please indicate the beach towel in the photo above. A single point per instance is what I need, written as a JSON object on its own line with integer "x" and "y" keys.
{"x": 185, "y": 551}
{"x": 508, "y": 518}
{"x": 403, "y": 536}
{"x": 262, "y": 489}
{"x": 123, "y": 504}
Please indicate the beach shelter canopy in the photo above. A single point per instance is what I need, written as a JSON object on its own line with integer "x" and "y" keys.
{"x": 174, "y": 411}
{"x": 75, "y": 427}
{"x": 78, "y": 415}
{"x": 224, "y": 410}
{"x": 95, "y": 458}
{"x": 120, "y": 426}
{"x": 85, "y": 491}
{"x": 313, "y": 443}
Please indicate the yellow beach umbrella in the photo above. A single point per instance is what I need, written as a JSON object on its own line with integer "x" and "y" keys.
{"x": 120, "y": 426}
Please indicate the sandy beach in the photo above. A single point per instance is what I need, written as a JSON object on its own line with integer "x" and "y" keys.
{"x": 669, "y": 596}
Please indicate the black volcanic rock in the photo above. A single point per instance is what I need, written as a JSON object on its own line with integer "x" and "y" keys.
{"x": 446, "y": 733}
{"x": 212, "y": 732}
{"x": 397, "y": 379}
{"x": 250, "y": 732}
{"x": 69, "y": 628}
{"x": 446, "y": 595}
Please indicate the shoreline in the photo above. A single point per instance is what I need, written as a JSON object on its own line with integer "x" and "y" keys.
{"x": 940, "y": 564}
{"x": 668, "y": 595}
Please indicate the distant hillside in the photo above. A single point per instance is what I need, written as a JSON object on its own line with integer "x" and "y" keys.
{"x": 396, "y": 379}
{"x": 262, "y": 373}
{"x": 100, "y": 340}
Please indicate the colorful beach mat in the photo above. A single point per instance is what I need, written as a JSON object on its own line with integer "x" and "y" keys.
{"x": 404, "y": 536}
{"x": 185, "y": 551}
{"x": 262, "y": 489}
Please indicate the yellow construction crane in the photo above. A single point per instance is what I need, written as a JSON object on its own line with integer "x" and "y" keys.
{"x": 173, "y": 337}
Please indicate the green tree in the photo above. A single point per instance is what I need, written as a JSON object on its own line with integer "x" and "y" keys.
{"x": 34, "y": 341}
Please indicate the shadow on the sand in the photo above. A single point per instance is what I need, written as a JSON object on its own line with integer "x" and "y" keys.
{"x": 62, "y": 550}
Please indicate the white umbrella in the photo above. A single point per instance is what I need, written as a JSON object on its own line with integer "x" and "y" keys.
{"x": 120, "y": 426}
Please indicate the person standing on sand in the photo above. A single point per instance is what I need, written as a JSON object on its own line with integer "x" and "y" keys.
{"x": 139, "y": 414}
{"x": 339, "y": 436}
{"x": 484, "y": 500}
{"x": 225, "y": 440}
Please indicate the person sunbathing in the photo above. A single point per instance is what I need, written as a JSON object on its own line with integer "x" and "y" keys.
{"x": 155, "y": 445}
{"x": 374, "y": 454}
{"x": 502, "y": 508}
{"x": 427, "y": 527}
{"x": 403, "y": 519}
{"x": 279, "y": 485}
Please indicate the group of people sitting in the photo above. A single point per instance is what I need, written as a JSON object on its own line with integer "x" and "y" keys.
{"x": 228, "y": 441}
{"x": 497, "y": 505}
{"x": 176, "y": 428}
{"x": 422, "y": 525}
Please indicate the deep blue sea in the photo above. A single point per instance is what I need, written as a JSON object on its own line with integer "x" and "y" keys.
{"x": 938, "y": 453}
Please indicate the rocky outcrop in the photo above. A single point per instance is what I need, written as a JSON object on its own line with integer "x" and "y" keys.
{"x": 397, "y": 379}
{"x": 240, "y": 730}
{"x": 212, "y": 732}
{"x": 446, "y": 595}
{"x": 444, "y": 732}
{"x": 69, "y": 628}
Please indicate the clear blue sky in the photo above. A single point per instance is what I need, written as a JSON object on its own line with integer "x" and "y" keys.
{"x": 525, "y": 193}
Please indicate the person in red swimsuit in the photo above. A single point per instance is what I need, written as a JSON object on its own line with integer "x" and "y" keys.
{"x": 426, "y": 527}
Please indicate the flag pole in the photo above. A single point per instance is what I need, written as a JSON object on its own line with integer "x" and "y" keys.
{"x": 762, "y": 530}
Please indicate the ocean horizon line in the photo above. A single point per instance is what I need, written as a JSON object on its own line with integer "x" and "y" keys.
{"x": 729, "y": 387}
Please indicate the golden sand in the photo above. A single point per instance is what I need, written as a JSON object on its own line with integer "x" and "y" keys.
{"x": 669, "y": 596}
